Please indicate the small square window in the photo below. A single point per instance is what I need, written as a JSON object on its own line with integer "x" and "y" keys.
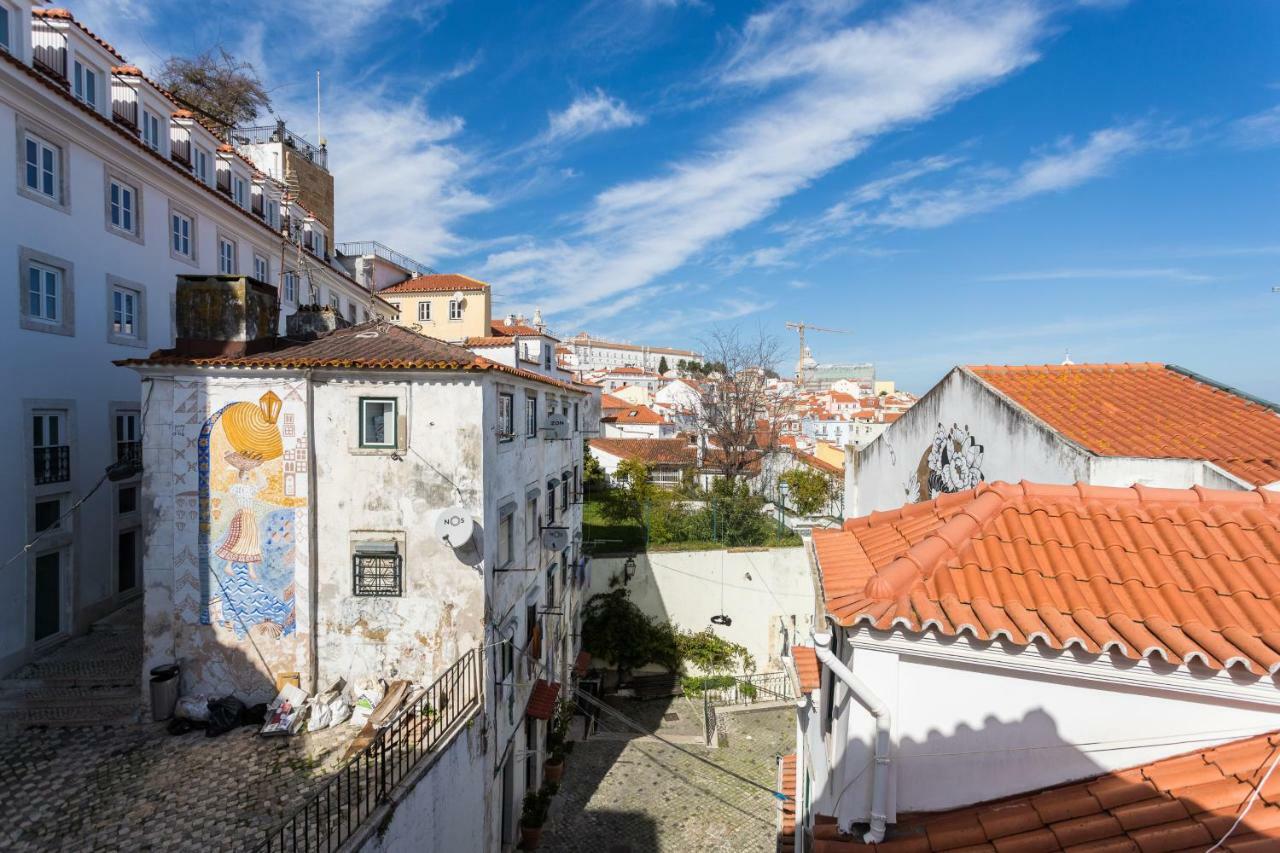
{"x": 127, "y": 500}
{"x": 377, "y": 422}
{"x": 47, "y": 514}
{"x": 506, "y": 417}
{"x": 377, "y": 570}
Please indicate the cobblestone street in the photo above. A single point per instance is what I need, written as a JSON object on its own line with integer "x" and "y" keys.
{"x": 643, "y": 796}
{"x": 138, "y": 788}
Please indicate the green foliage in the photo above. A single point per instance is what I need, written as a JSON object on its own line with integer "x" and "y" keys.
{"x": 662, "y": 365}
{"x": 809, "y": 491}
{"x": 739, "y": 514}
{"x": 536, "y": 805}
{"x": 695, "y": 685}
{"x": 594, "y": 480}
{"x": 627, "y": 501}
{"x": 614, "y": 629}
{"x": 711, "y": 653}
{"x": 602, "y": 535}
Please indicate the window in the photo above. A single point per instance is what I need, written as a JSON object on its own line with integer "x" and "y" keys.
{"x": 124, "y": 312}
{"x": 273, "y": 213}
{"x": 47, "y": 514}
{"x": 291, "y": 287}
{"x": 4, "y": 29}
{"x": 335, "y": 303}
{"x": 551, "y": 502}
{"x": 319, "y": 243}
{"x": 226, "y": 256}
{"x": 531, "y": 516}
{"x": 506, "y": 538}
{"x": 128, "y": 443}
{"x": 260, "y": 268}
{"x": 376, "y": 570}
{"x": 577, "y": 490}
{"x": 241, "y": 194}
{"x": 180, "y": 225}
{"x": 52, "y": 454}
{"x": 44, "y": 293}
{"x": 43, "y": 167}
{"x": 576, "y": 422}
{"x": 424, "y": 311}
{"x": 546, "y": 355}
{"x": 564, "y": 493}
{"x": 151, "y": 130}
{"x": 127, "y": 500}
{"x": 85, "y": 84}
{"x": 506, "y": 416}
{"x": 455, "y": 309}
{"x": 531, "y": 416}
{"x": 200, "y": 164}
{"x": 122, "y": 203}
{"x": 377, "y": 422}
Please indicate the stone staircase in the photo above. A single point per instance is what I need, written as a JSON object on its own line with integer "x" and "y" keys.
{"x": 91, "y": 680}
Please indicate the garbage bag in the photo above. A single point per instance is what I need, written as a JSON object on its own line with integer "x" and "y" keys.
{"x": 194, "y": 708}
{"x": 224, "y": 715}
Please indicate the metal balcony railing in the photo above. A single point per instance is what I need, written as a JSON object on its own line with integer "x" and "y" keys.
{"x": 129, "y": 451}
{"x": 180, "y": 146}
{"x": 277, "y": 132}
{"x": 373, "y": 247}
{"x": 52, "y": 464}
{"x": 49, "y": 51}
{"x": 224, "y": 181}
{"x": 351, "y": 795}
{"x": 124, "y": 103}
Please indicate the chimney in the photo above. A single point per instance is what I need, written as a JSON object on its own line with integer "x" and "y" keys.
{"x": 225, "y": 315}
{"x": 510, "y": 320}
{"x": 313, "y": 321}
{"x": 537, "y": 319}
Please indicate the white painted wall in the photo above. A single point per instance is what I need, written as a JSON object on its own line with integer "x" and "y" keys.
{"x": 770, "y": 609}
{"x": 1017, "y": 721}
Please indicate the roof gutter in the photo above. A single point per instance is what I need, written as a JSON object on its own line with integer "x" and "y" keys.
{"x": 884, "y": 720}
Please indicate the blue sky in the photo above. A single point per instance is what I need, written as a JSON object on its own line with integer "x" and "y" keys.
{"x": 952, "y": 181}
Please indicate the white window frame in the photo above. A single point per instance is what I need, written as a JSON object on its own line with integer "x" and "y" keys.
{"x": 63, "y": 321}
{"x": 6, "y": 28}
{"x": 531, "y": 416}
{"x": 455, "y": 310}
{"x": 150, "y": 129}
{"x": 506, "y": 536}
{"x": 47, "y": 168}
{"x": 531, "y": 517}
{"x": 44, "y": 276}
{"x": 335, "y": 302}
{"x": 424, "y": 311}
{"x": 137, "y": 337}
{"x": 227, "y": 260}
{"x": 85, "y": 77}
{"x": 240, "y": 190}
{"x": 124, "y": 311}
{"x": 506, "y": 416}
{"x": 390, "y": 430}
{"x": 176, "y": 216}
{"x": 261, "y": 265}
{"x": 124, "y": 206}
{"x": 291, "y": 287}
{"x": 200, "y": 159}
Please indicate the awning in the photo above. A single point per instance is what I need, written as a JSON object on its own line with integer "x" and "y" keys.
{"x": 580, "y": 665}
{"x": 542, "y": 702}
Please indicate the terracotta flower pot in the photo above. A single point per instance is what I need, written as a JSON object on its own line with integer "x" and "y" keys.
{"x": 553, "y": 770}
{"x": 530, "y": 837}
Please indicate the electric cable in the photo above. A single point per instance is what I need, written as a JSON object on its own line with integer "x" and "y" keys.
{"x": 1253, "y": 798}
{"x": 54, "y": 526}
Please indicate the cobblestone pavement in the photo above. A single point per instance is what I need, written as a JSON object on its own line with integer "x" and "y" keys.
{"x": 137, "y": 788}
{"x": 643, "y": 796}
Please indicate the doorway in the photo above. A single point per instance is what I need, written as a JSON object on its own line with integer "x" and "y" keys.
{"x": 508, "y": 801}
{"x": 126, "y": 560}
{"x": 48, "y": 595}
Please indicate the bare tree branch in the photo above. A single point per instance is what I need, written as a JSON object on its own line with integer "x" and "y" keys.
{"x": 216, "y": 83}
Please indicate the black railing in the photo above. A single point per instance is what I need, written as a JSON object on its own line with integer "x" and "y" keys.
{"x": 258, "y": 206}
{"x": 129, "y": 451}
{"x": 277, "y": 132}
{"x": 749, "y": 689}
{"x": 709, "y": 718}
{"x": 52, "y": 464}
{"x": 373, "y": 247}
{"x": 49, "y": 51}
{"x": 346, "y": 799}
{"x": 180, "y": 146}
{"x": 224, "y": 181}
{"x": 124, "y": 102}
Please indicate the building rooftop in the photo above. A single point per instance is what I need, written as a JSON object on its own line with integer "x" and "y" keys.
{"x": 635, "y": 415}
{"x": 653, "y": 451}
{"x": 1183, "y": 803}
{"x": 1148, "y": 410}
{"x": 807, "y": 670}
{"x": 436, "y": 283}
{"x": 1184, "y": 575}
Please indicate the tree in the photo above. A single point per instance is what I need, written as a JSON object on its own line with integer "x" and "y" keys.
{"x": 808, "y": 491}
{"x": 628, "y": 501}
{"x": 217, "y": 84}
{"x": 662, "y": 365}
{"x": 594, "y": 479}
{"x": 740, "y": 414}
{"x": 682, "y": 365}
{"x": 615, "y": 629}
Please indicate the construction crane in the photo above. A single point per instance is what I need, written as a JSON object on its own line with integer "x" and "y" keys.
{"x": 802, "y": 364}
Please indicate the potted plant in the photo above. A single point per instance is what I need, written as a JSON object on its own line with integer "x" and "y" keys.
{"x": 553, "y": 767}
{"x": 536, "y": 805}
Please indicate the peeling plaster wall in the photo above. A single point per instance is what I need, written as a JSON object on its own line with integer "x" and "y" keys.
{"x": 367, "y": 494}
{"x": 226, "y": 556}
{"x": 1013, "y": 446}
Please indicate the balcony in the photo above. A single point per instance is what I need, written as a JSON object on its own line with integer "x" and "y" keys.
{"x": 224, "y": 181}
{"x": 180, "y": 146}
{"x": 124, "y": 103}
{"x": 258, "y": 206}
{"x": 360, "y": 248}
{"x": 52, "y": 464}
{"x": 279, "y": 133}
{"x": 49, "y": 52}
{"x": 129, "y": 451}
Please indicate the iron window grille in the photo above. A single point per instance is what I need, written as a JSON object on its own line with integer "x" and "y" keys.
{"x": 377, "y": 570}
{"x": 52, "y": 464}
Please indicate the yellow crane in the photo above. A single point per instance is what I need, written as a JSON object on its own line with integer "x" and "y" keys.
{"x": 803, "y": 363}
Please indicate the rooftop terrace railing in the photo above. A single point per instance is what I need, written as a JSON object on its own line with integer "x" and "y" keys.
{"x": 277, "y": 132}
{"x": 373, "y": 247}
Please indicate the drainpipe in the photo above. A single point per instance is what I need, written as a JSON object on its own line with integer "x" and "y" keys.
{"x": 802, "y": 774}
{"x": 880, "y": 711}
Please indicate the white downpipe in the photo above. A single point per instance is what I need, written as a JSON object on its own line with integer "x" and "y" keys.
{"x": 880, "y": 711}
{"x": 802, "y": 762}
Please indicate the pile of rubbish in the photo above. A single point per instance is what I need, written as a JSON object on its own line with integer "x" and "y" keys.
{"x": 292, "y": 711}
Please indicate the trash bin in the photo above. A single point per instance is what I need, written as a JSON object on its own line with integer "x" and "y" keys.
{"x": 164, "y": 691}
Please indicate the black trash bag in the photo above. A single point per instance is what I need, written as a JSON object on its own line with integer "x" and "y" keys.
{"x": 255, "y": 715}
{"x": 225, "y": 714}
{"x": 179, "y": 726}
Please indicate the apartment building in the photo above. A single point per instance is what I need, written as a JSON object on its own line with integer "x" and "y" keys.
{"x": 114, "y": 190}
{"x": 583, "y": 354}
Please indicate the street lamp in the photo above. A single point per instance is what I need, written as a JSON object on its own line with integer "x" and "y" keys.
{"x": 783, "y": 488}
{"x": 628, "y": 570}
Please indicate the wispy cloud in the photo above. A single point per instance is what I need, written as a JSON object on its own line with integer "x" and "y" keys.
{"x": 1102, "y": 273}
{"x": 835, "y": 86}
{"x": 1260, "y": 130}
{"x": 590, "y": 113}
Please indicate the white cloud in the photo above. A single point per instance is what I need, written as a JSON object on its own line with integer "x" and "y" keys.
{"x": 1260, "y": 130}
{"x": 839, "y": 86}
{"x": 590, "y": 113}
{"x": 1103, "y": 273}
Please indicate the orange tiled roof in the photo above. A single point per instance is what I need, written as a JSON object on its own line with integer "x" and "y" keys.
{"x": 1185, "y": 803}
{"x": 652, "y": 451}
{"x": 1180, "y": 574}
{"x": 488, "y": 342}
{"x": 814, "y": 462}
{"x": 436, "y": 283}
{"x": 635, "y": 415}
{"x": 392, "y": 348}
{"x": 609, "y": 401}
{"x": 1147, "y": 410}
{"x": 500, "y": 329}
{"x": 542, "y": 701}
{"x": 787, "y": 785}
{"x": 806, "y": 663}
{"x": 65, "y": 15}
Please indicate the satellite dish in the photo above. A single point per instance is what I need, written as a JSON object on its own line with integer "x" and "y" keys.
{"x": 455, "y": 526}
{"x": 457, "y": 296}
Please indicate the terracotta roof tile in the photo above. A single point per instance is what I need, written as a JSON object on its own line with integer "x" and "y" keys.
{"x": 368, "y": 346}
{"x": 635, "y": 415}
{"x": 436, "y": 283}
{"x": 787, "y": 786}
{"x": 806, "y": 664}
{"x": 65, "y": 15}
{"x": 653, "y": 451}
{"x": 1170, "y": 819}
{"x": 1180, "y": 574}
{"x": 542, "y": 701}
{"x": 1147, "y": 410}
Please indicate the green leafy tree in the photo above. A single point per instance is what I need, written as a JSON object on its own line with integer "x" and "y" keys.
{"x": 629, "y": 500}
{"x": 740, "y": 519}
{"x": 662, "y": 365}
{"x": 616, "y": 630}
{"x": 808, "y": 491}
{"x": 713, "y": 654}
{"x": 594, "y": 479}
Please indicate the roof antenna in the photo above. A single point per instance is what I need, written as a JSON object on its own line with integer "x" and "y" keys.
{"x": 1066, "y": 358}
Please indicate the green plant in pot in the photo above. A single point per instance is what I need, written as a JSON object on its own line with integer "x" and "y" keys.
{"x": 536, "y": 805}
{"x": 553, "y": 767}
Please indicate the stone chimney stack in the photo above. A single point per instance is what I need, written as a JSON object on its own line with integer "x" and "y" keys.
{"x": 225, "y": 315}
{"x": 313, "y": 321}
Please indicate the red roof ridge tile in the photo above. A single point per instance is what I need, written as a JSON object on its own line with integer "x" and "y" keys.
{"x": 59, "y": 14}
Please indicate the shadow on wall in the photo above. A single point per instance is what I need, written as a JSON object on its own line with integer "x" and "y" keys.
{"x": 1196, "y": 796}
